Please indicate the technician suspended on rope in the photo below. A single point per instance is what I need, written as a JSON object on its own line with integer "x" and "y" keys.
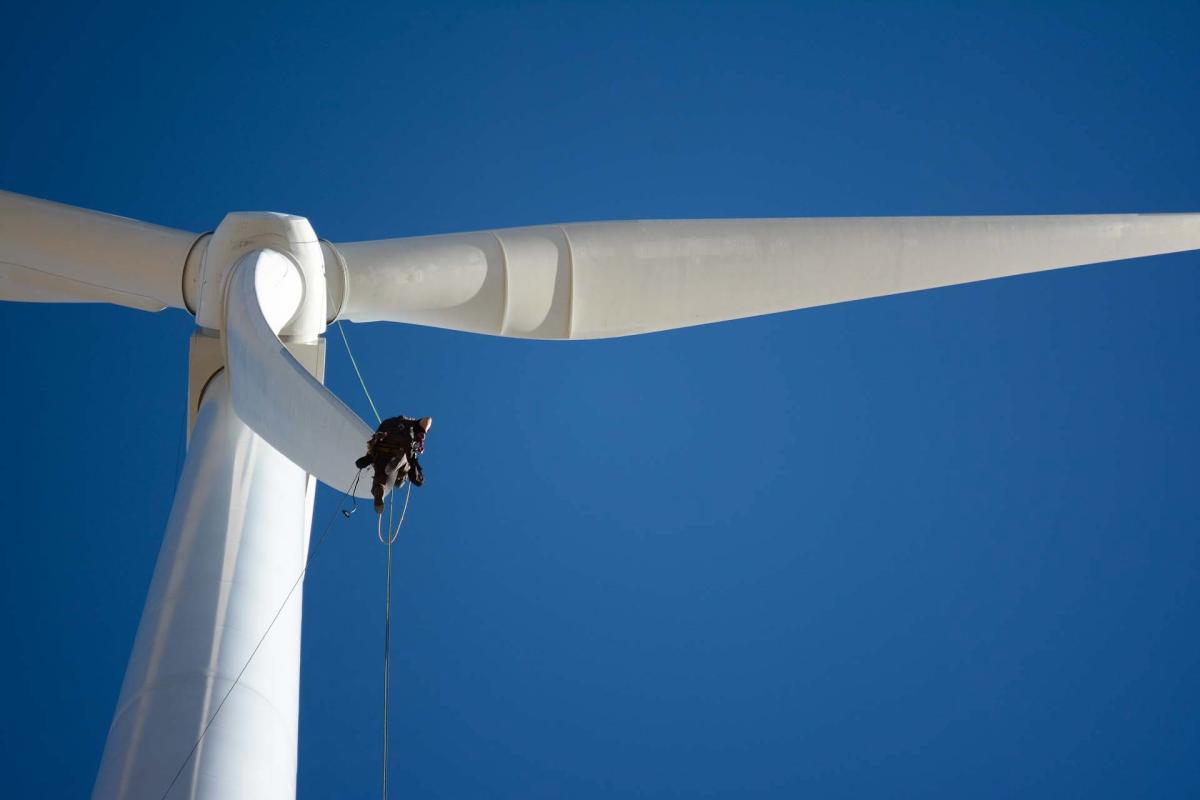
{"x": 393, "y": 452}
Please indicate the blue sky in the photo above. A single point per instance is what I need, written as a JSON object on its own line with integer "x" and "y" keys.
{"x": 936, "y": 545}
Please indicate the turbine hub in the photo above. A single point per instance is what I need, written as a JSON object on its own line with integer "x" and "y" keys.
{"x": 206, "y": 276}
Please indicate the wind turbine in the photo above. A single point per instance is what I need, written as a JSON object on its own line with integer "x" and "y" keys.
{"x": 263, "y": 428}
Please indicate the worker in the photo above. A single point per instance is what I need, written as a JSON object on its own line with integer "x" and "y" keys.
{"x": 393, "y": 451}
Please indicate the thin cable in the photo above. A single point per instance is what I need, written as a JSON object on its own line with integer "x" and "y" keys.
{"x": 389, "y": 541}
{"x": 263, "y": 638}
{"x": 393, "y": 532}
{"x": 387, "y": 643}
{"x": 357, "y": 372}
{"x": 387, "y": 618}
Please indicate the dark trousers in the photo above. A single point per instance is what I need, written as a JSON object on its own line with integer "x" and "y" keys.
{"x": 386, "y": 470}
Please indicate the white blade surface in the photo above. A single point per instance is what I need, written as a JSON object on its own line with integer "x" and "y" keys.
{"x": 591, "y": 280}
{"x": 272, "y": 393}
{"x": 53, "y": 253}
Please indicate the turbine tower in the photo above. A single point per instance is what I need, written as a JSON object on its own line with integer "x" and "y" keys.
{"x": 263, "y": 427}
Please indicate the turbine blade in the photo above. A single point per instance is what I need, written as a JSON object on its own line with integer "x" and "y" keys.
{"x": 54, "y": 253}
{"x": 592, "y": 280}
{"x": 272, "y": 393}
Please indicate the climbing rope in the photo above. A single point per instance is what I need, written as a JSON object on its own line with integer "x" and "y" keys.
{"x": 311, "y": 555}
{"x": 390, "y": 540}
{"x": 361, "y": 382}
{"x": 393, "y": 532}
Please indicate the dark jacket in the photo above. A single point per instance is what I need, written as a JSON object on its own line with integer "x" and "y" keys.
{"x": 395, "y": 439}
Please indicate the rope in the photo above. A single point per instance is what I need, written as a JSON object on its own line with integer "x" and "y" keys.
{"x": 312, "y": 554}
{"x": 390, "y": 540}
{"x": 387, "y": 618}
{"x": 387, "y": 642}
{"x": 394, "y": 532}
{"x": 358, "y": 372}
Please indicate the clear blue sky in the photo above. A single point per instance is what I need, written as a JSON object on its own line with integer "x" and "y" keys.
{"x": 936, "y": 545}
